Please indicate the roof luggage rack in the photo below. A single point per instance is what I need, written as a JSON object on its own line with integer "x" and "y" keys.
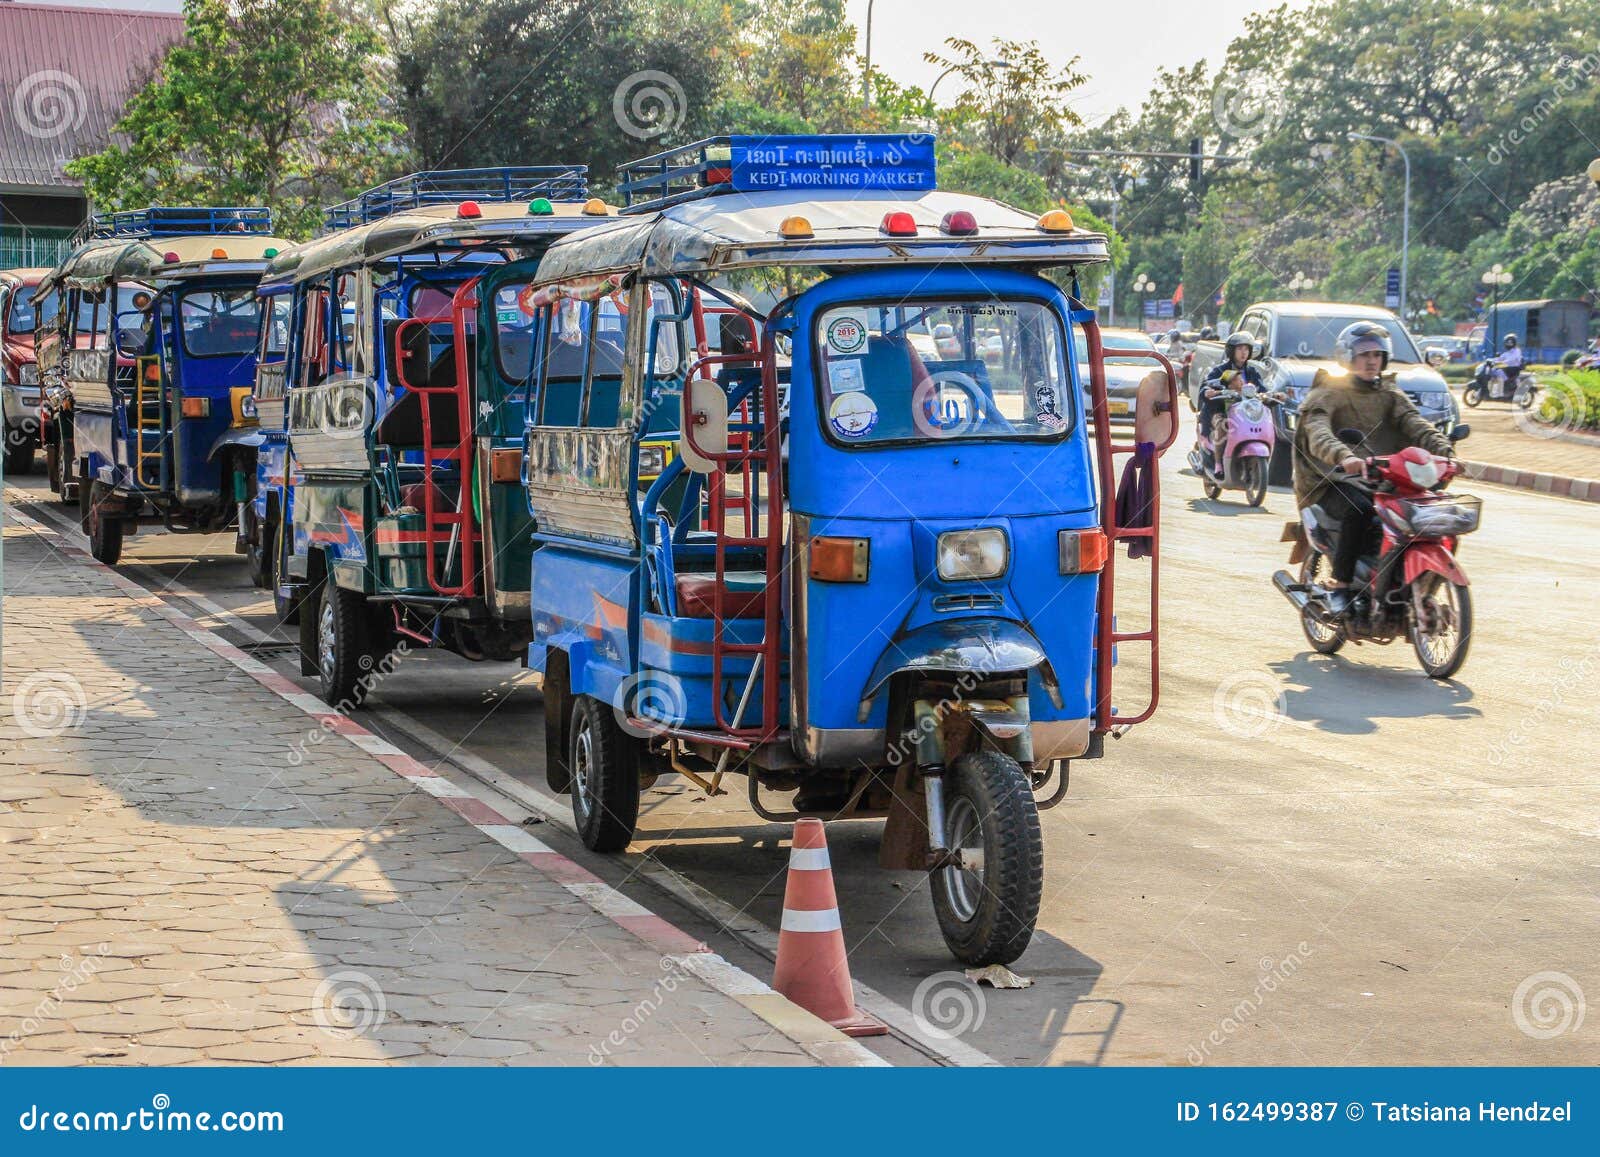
{"x": 447, "y": 186}
{"x": 863, "y": 162}
{"x": 177, "y": 221}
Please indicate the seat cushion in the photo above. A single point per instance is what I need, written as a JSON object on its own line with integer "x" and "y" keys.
{"x": 742, "y": 597}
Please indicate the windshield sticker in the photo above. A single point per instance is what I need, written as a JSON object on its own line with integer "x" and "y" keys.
{"x": 845, "y": 376}
{"x": 853, "y": 415}
{"x": 1047, "y": 406}
{"x": 846, "y": 333}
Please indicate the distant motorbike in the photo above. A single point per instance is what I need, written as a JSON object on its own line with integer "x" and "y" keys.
{"x": 1411, "y": 584}
{"x": 1241, "y": 461}
{"x": 1489, "y": 382}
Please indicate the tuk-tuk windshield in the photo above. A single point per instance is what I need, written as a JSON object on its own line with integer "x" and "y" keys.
{"x": 941, "y": 370}
{"x": 220, "y": 321}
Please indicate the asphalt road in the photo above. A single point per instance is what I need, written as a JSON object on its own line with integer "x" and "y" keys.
{"x": 1299, "y": 860}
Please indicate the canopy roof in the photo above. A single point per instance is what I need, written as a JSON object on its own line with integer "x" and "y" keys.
{"x": 99, "y": 262}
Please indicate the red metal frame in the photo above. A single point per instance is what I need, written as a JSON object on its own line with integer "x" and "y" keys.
{"x": 1106, "y": 636}
{"x": 740, "y": 454}
{"x": 436, "y": 523}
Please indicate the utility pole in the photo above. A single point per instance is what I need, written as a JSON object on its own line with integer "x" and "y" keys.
{"x": 1405, "y": 214}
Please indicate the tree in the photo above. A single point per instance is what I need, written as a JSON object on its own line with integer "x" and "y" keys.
{"x": 1014, "y": 99}
{"x": 265, "y": 101}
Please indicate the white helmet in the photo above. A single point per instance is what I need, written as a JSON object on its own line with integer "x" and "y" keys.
{"x": 1361, "y": 337}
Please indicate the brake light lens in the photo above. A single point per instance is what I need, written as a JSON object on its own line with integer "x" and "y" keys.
{"x": 968, "y": 555}
{"x": 899, "y": 224}
{"x": 468, "y": 210}
{"x": 959, "y": 223}
{"x": 196, "y": 407}
{"x": 1082, "y": 551}
{"x": 839, "y": 560}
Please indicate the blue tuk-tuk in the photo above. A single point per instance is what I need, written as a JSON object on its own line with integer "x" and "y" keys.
{"x": 877, "y": 572}
{"x": 396, "y": 511}
{"x": 158, "y": 353}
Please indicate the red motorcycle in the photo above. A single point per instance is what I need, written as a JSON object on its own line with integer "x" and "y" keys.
{"x": 1411, "y": 585}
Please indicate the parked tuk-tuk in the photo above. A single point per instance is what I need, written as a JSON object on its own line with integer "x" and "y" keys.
{"x": 158, "y": 340}
{"x": 20, "y": 392}
{"x": 401, "y": 499}
{"x": 878, "y": 570}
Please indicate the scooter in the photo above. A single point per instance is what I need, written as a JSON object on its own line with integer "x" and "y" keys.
{"x": 1412, "y": 585}
{"x": 1241, "y": 461}
{"x": 1489, "y": 382}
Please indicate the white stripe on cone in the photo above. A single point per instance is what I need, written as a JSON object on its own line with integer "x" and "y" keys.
{"x": 808, "y": 859}
{"x": 800, "y": 920}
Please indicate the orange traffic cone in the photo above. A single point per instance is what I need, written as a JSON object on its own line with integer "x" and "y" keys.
{"x": 812, "y": 970}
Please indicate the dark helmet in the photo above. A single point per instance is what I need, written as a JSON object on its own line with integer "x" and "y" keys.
{"x": 1511, "y": 340}
{"x": 1209, "y": 333}
{"x": 1361, "y": 337}
{"x": 1235, "y": 340}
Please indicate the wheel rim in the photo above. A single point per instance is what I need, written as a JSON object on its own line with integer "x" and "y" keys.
{"x": 582, "y": 766}
{"x": 1443, "y": 609}
{"x": 1320, "y": 632}
{"x": 964, "y": 886}
{"x": 327, "y": 644}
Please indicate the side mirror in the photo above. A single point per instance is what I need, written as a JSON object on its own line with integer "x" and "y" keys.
{"x": 1436, "y": 357}
{"x": 409, "y": 359}
{"x": 130, "y": 337}
{"x": 1461, "y": 431}
{"x": 703, "y": 425}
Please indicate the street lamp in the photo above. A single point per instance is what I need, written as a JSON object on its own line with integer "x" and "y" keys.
{"x": 1405, "y": 211}
{"x": 1144, "y": 287}
{"x": 1300, "y": 283}
{"x": 1497, "y": 276}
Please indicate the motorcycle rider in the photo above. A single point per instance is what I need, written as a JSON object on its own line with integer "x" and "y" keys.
{"x": 1229, "y": 374}
{"x": 1326, "y": 468}
{"x": 1509, "y": 363}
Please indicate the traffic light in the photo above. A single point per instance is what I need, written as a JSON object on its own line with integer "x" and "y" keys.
{"x": 1194, "y": 159}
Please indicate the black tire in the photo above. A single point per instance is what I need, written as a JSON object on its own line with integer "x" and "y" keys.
{"x": 342, "y": 630}
{"x": 20, "y": 450}
{"x": 1472, "y": 395}
{"x": 1444, "y": 660}
{"x": 85, "y": 495}
{"x": 1211, "y": 490}
{"x": 1324, "y": 640}
{"x": 988, "y": 916}
{"x": 257, "y": 537}
{"x": 105, "y": 531}
{"x": 52, "y": 467}
{"x": 1523, "y": 397}
{"x": 1255, "y": 480}
{"x": 604, "y": 761}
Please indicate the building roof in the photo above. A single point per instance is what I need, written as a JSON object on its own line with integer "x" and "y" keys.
{"x": 65, "y": 76}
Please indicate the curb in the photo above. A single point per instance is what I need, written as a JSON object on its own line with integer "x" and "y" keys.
{"x": 1559, "y": 485}
{"x": 818, "y": 1039}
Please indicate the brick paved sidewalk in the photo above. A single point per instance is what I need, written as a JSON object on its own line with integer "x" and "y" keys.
{"x": 1497, "y": 440}
{"x": 178, "y": 887}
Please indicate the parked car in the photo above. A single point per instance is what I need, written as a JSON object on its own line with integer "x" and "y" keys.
{"x": 1454, "y": 348}
{"x": 1295, "y": 339}
{"x": 1123, "y": 374}
{"x": 19, "y": 372}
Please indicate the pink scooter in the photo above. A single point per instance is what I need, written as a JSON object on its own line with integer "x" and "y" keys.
{"x": 1246, "y": 451}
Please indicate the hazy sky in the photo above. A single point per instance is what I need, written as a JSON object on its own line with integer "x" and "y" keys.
{"x": 1122, "y": 44}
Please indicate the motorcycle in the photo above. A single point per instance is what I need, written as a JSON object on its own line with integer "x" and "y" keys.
{"x": 1241, "y": 461}
{"x": 1411, "y": 585}
{"x": 1489, "y": 381}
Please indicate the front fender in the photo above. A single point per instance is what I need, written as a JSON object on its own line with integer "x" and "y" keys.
{"x": 983, "y": 646}
{"x": 1421, "y": 557}
{"x": 247, "y": 437}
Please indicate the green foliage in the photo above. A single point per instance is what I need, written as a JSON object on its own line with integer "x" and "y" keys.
{"x": 267, "y": 101}
{"x": 1571, "y": 399}
{"x": 1014, "y": 98}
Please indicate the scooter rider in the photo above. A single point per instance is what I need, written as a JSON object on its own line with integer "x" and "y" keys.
{"x": 1363, "y": 399}
{"x": 1510, "y": 364}
{"x": 1229, "y": 374}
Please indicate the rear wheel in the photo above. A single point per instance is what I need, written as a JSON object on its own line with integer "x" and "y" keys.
{"x": 19, "y": 453}
{"x": 1254, "y": 472}
{"x": 988, "y": 906}
{"x": 1441, "y": 625}
{"x": 1211, "y": 489}
{"x": 1523, "y": 397}
{"x": 604, "y": 762}
{"x": 1324, "y": 639}
{"x": 344, "y": 652}
{"x": 105, "y": 528}
{"x": 1473, "y": 394}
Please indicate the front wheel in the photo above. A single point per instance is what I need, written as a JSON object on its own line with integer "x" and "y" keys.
{"x": 1472, "y": 395}
{"x": 19, "y": 453}
{"x": 105, "y": 530}
{"x": 1441, "y": 624}
{"x": 987, "y": 907}
{"x": 605, "y": 776}
{"x": 344, "y": 653}
{"x": 1211, "y": 490}
{"x": 1254, "y": 471}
